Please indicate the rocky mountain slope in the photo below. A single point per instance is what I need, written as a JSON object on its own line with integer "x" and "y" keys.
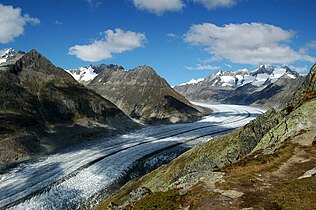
{"x": 141, "y": 93}
{"x": 267, "y": 164}
{"x": 275, "y": 95}
{"x": 43, "y": 108}
{"x": 267, "y": 86}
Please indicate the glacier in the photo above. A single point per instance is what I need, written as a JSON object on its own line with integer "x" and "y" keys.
{"x": 75, "y": 176}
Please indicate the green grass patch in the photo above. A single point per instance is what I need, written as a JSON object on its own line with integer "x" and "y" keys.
{"x": 298, "y": 194}
{"x": 257, "y": 163}
{"x": 170, "y": 199}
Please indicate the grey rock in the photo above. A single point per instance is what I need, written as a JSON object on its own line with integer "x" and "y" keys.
{"x": 113, "y": 206}
{"x": 139, "y": 193}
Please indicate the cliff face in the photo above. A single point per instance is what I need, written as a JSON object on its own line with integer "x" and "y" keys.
{"x": 142, "y": 94}
{"x": 307, "y": 90}
{"x": 43, "y": 108}
{"x": 267, "y": 164}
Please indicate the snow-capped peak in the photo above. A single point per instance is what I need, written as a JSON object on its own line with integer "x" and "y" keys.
{"x": 83, "y": 74}
{"x": 87, "y": 73}
{"x": 264, "y": 74}
{"x": 8, "y": 53}
{"x": 193, "y": 81}
{"x": 218, "y": 73}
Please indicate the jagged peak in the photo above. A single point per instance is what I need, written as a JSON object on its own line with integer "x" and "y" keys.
{"x": 262, "y": 75}
{"x": 35, "y": 61}
{"x": 33, "y": 51}
{"x": 290, "y": 71}
{"x": 102, "y": 67}
{"x": 33, "y": 54}
{"x": 218, "y": 73}
{"x": 10, "y": 52}
{"x": 145, "y": 68}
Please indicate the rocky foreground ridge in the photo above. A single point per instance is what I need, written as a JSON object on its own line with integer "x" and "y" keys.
{"x": 43, "y": 108}
{"x": 141, "y": 93}
{"x": 267, "y": 164}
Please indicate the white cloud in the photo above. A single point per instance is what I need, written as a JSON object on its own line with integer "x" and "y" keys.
{"x": 299, "y": 69}
{"x": 28, "y": 19}
{"x": 202, "y": 67}
{"x": 228, "y": 65}
{"x": 12, "y": 23}
{"x": 172, "y": 35}
{"x": 211, "y": 59}
{"x": 213, "y": 4}
{"x": 247, "y": 43}
{"x": 114, "y": 42}
{"x": 159, "y": 6}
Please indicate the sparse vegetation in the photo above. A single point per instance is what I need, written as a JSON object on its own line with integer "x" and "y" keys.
{"x": 298, "y": 194}
{"x": 257, "y": 162}
{"x": 170, "y": 199}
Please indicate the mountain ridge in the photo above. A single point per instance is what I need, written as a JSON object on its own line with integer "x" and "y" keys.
{"x": 40, "y": 113}
{"x": 142, "y": 94}
{"x": 244, "y": 76}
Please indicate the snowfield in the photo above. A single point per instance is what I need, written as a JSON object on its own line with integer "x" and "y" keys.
{"x": 76, "y": 175}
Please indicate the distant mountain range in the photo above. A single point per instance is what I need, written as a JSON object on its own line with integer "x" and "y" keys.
{"x": 265, "y": 86}
{"x": 141, "y": 93}
{"x": 261, "y": 76}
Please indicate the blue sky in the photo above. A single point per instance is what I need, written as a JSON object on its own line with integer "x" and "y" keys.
{"x": 180, "y": 39}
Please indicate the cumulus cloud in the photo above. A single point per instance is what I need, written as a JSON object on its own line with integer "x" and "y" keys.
{"x": 114, "y": 42}
{"x": 213, "y": 4}
{"x": 12, "y": 23}
{"x": 202, "y": 67}
{"x": 159, "y": 7}
{"x": 247, "y": 43}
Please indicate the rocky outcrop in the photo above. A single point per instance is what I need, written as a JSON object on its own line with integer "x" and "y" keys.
{"x": 307, "y": 90}
{"x": 142, "y": 94}
{"x": 43, "y": 108}
{"x": 138, "y": 194}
